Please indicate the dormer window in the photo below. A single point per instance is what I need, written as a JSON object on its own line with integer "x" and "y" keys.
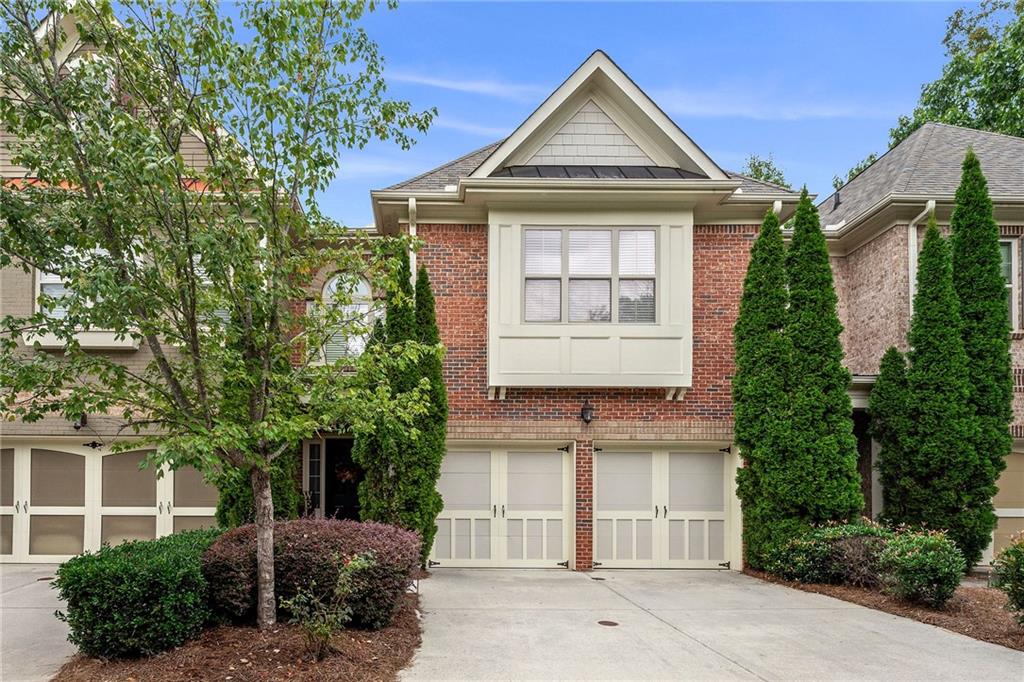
{"x": 588, "y": 275}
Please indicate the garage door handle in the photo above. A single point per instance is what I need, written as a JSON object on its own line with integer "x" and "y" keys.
{"x": 160, "y": 508}
{"x": 664, "y": 511}
{"x": 17, "y": 506}
{"x": 655, "y": 511}
{"x": 495, "y": 511}
{"x": 502, "y": 511}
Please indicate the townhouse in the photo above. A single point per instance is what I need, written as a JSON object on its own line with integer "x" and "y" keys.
{"x": 587, "y": 271}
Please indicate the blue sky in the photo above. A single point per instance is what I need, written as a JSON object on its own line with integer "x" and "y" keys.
{"x": 816, "y": 85}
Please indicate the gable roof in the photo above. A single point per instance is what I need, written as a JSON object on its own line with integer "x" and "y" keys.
{"x": 616, "y": 96}
{"x": 929, "y": 162}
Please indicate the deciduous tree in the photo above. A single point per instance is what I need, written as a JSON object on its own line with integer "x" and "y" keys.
{"x": 201, "y": 262}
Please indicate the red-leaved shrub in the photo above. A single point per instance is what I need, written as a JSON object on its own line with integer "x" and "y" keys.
{"x": 307, "y": 554}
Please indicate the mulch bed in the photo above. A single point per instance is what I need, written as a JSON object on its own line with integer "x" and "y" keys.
{"x": 975, "y": 611}
{"x": 244, "y": 654}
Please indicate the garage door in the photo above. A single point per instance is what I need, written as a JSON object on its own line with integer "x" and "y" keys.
{"x": 660, "y": 509}
{"x": 58, "y": 500}
{"x": 504, "y": 508}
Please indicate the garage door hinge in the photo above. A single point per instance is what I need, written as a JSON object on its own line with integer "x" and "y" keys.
{"x": 564, "y": 564}
{"x": 725, "y": 564}
{"x": 595, "y": 564}
{"x": 431, "y": 563}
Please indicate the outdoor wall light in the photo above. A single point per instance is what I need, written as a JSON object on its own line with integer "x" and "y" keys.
{"x": 587, "y": 412}
{"x": 80, "y": 422}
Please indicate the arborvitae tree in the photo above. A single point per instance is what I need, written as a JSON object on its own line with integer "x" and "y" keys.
{"x": 760, "y": 401}
{"x": 985, "y": 330}
{"x": 431, "y": 444}
{"x": 386, "y": 453}
{"x": 820, "y": 481}
{"x": 889, "y": 408}
{"x": 931, "y": 484}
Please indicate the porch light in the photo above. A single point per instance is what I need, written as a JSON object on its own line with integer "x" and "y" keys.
{"x": 587, "y": 412}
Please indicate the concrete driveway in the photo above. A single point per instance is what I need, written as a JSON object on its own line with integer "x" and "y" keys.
{"x": 33, "y": 643}
{"x": 705, "y": 625}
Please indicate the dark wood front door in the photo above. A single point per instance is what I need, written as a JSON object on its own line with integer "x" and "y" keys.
{"x": 341, "y": 487}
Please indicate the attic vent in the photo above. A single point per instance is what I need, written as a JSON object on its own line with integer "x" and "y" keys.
{"x": 836, "y": 203}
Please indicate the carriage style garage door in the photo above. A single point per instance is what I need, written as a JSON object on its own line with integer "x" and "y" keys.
{"x": 504, "y": 508}
{"x": 59, "y": 499}
{"x": 660, "y": 509}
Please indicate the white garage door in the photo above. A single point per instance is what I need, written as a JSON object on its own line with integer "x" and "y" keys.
{"x": 58, "y": 500}
{"x": 660, "y": 509}
{"x": 504, "y": 508}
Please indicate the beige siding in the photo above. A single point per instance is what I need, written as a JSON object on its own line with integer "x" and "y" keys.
{"x": 590, "y": 137}
{"x": 1011, "y": 483}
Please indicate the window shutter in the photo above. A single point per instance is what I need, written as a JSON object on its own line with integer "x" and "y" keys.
{"x": 636, "y": 300}
{"x": 336, "y": 348}
{"x": 543, "y": 252}
{"x": 543, "y": 300}
{"x": 590, "y": 252}
{"x": 636, "y": 252}
{"x": 590, "y": 300}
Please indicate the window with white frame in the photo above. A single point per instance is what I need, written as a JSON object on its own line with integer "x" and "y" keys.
{"x": 1010, "y": 270}
{"x": 339, "y": 344}
{"x": 589, "y": 275}
{"x": 54, "y": 288}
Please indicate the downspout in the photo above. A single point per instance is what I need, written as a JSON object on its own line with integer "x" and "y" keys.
{"x": 929, "y": 209}
{"x": 412, "y": 233}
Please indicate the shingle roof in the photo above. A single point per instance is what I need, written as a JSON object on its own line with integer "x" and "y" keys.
{"x": 929, "y": 162}
{"x": 451, "y": 172}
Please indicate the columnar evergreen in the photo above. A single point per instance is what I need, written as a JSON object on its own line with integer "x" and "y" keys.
{"x": 760, "y": 399}
{"x": 431, "y": 445}
{"x": 985, "y": 330}
{"x": 385, "y": 453}
{"x": 820, "y": 481}
{"x": 402, "y": 468}
{"x": 889, "y": 408}
{"x": 929, "y": 483}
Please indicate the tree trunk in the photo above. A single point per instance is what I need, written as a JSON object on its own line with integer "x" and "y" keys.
{"x": 266, "y": 605}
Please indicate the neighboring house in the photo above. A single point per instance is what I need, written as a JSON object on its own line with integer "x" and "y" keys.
{"x": 587, "y": 272}
{"x": 875, "y": 226}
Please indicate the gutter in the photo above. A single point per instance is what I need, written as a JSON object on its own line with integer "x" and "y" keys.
{"x": 929, "y": 209}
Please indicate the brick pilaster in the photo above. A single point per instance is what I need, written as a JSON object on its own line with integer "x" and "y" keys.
{"x": 584, "y": 505}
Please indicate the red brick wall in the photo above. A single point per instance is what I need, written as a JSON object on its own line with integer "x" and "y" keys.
{"x": 584, "y": 505}
{"x": 456, "y": 257}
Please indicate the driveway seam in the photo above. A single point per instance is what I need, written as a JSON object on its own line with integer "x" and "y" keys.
{"x": 684, "y": 633}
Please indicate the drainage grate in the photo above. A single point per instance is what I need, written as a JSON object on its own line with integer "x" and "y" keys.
{"x": 607, "y": 623}
{"x": 44, "y": 579}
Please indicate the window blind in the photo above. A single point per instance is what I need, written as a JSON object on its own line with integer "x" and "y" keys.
{"x": 543, "y": 252}
{"x": 590, "y": 300}
{"x": 636, "y": 300}
{"x": 590, "y": 252}
{"x": 543, "y": 300}
{"x": 636, "y": 252}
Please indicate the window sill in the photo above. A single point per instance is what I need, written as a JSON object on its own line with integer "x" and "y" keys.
{"x": 90, "y": 340}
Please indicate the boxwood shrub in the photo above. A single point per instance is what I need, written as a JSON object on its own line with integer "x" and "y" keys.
{"x": 306, "y": 553}
{"x": 138, "y": 598}
{"x": 923, "y": 566}
{"x": 1009, "y": 575}
{"x": 833, "y": 554}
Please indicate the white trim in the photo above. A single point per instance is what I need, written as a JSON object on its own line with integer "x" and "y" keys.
{"x": 1010, "y": 513}
{"x": 1014, "y": 243}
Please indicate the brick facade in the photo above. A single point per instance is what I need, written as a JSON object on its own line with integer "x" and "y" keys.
{"x": 456, "y": 257}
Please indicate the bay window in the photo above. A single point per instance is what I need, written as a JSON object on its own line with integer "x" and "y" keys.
{"x": 589, "y": 275}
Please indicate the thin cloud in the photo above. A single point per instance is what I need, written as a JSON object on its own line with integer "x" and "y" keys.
{"x": 750, "y": 103}
{"x": 470, "y": 128}
{"x": 490, "y": 88}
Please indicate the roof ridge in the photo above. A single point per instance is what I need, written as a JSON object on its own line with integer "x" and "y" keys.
{"x": 763, "y": 182}
{"x": 974, "y": 130}
{"x": 445, "y": 165}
